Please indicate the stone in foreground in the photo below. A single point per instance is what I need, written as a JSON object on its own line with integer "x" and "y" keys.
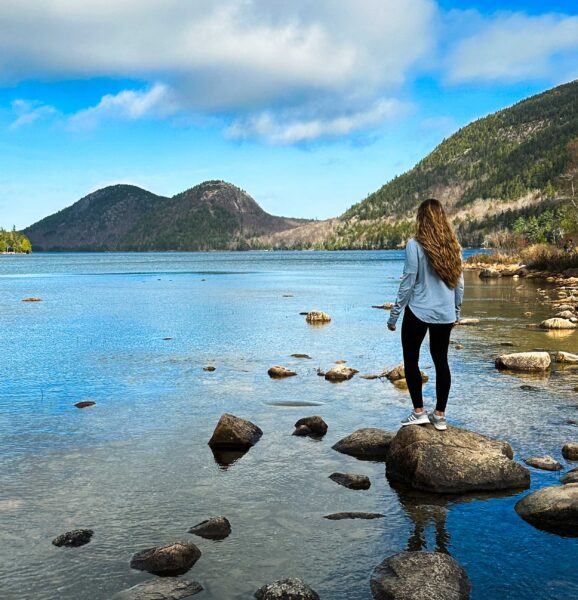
{"x": 287, "y": 589}
{"x": 215, "y": 528}
{"x": 546, "y": 463}
{"x": 175, "y": 558}
{"x": 314, "y": 426}
{"x": 340, "y": 516}
{"x": 73, "y": 539}
{"x": 278, "y": 372}
{"x": 452, "y": 461}
{"x": 234, "y": 433}
{"x": 165, "y": 588}
{"x": 317, "y": 316}
{"x": 420, "y": 576}
{"x": 524, "y": 361}
{"x": 340, "y": 373}
{"x": 369, "y": 443}
{"x": 570, "y": 451}
{"x": 553, "y": 509}
{"x": 351, "y": 480}
{"x": 557, "y": 323}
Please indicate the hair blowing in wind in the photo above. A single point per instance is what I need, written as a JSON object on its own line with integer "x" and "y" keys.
{"x": 438, "y": 239}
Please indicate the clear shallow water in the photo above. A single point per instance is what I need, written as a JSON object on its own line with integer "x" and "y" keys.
{"x": 137, "y": 469}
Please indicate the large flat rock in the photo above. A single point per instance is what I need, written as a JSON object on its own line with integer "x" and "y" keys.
{"x": 452, "y": 461}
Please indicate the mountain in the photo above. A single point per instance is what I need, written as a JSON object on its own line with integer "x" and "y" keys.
{"x": 214, "y": 215}
{"x": 515, "y": 162}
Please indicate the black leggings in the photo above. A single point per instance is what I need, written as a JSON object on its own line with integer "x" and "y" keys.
{"x": 413, "y": 332}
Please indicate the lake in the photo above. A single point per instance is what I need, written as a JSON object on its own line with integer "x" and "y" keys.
{"x": 137, "y": 469}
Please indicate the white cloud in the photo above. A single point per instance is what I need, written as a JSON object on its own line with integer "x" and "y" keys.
{"x": 156, "y": 102}
{"x": 512, "y": 47}
{"x": 278, "y": 130}
{"x": 221, "y": 54}
{"x": 28, "y": 112}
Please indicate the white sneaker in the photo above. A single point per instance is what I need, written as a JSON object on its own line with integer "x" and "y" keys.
{"x": 415, "y": 418}
{"x": 438, "y": 422}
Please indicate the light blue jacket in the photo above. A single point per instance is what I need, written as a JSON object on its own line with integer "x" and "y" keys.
{"x": 428, "y": 297}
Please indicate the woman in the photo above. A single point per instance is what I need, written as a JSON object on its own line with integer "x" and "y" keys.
{"x": 431, "y": 291}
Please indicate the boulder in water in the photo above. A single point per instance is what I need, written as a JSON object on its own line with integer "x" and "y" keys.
{"x": 234, "y": 433}
{"x": 215, "y": 528}
{"x": 175, "y": 558}
{"x": 340, "y": 516}
{"x": 556, "y": 323}
{"x": 351, "y": 480}
{"x": 524, "y": 361}
{"x": 420, "y": 576}
{"x": 570, "y": 451}
{"x": 398, "y": 374}
{"x": 570, "y": 477}
{"x": 553, "y": 509}
{"x": 317, "y": 316}
{"x": 369, "y": 443}
{"x": 278, "y": 372}
{"x": 286, "y": 589}
{"x": 314, "y": 426}
{"x": 85, "y": 403}
{"x": 73, "y": 539}
{"x": 546, "y": 463}
{"x": 340, "y": 373}
{"x": 452, "y": 461}
{"x": 566, "y": 357}
{"x": 490, "y": 274}
{"x": 469, "y": 321}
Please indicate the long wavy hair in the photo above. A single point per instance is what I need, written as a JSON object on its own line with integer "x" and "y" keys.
{"x": 438, "y": 238}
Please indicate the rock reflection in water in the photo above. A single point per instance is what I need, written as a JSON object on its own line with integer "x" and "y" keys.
{"x": 226, "y": 458}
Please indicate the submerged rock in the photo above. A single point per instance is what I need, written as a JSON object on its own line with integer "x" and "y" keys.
{"x": 277, "y": 372}
{"x": 557, "y": 323}
{"x": 234, "y": 433}
{"x": 369, "y": 443}
{"x": 553, "y": 509}
{"x": 85, "y": 403}
{"x": 286, "y": 589}
{"x": 420, "y": 576}
{"x": 215, "y": 528}
{"x": 340, "y": 373}
{"x": 317, "y": 316}
{"x": 547, "y": 463}
{"x": 340, "y": 516}
{"x": 209, "y": 368}
{"x": 73, "y": 539}
{"x": 566, "y": 357}
{"x": 452, "y": 461}
{"x": 351, "y": 480}
{"x": 314, "y": 426}
{"x": 175, "y": 558}
{"x": 161, "y": 588}
{"x": 570, "y": 451}
{"x": 299, "y": 355}
{"x": 524, "y": 361}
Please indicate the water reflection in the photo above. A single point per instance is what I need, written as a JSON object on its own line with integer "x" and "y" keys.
{"x": 226, "y": 458}
{"x": 430, "y": 510}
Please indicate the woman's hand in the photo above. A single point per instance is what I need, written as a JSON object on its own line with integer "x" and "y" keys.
{"x": 391, "y": 327}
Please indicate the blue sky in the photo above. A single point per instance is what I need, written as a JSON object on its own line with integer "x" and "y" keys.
{"x": 309, "y": 106}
